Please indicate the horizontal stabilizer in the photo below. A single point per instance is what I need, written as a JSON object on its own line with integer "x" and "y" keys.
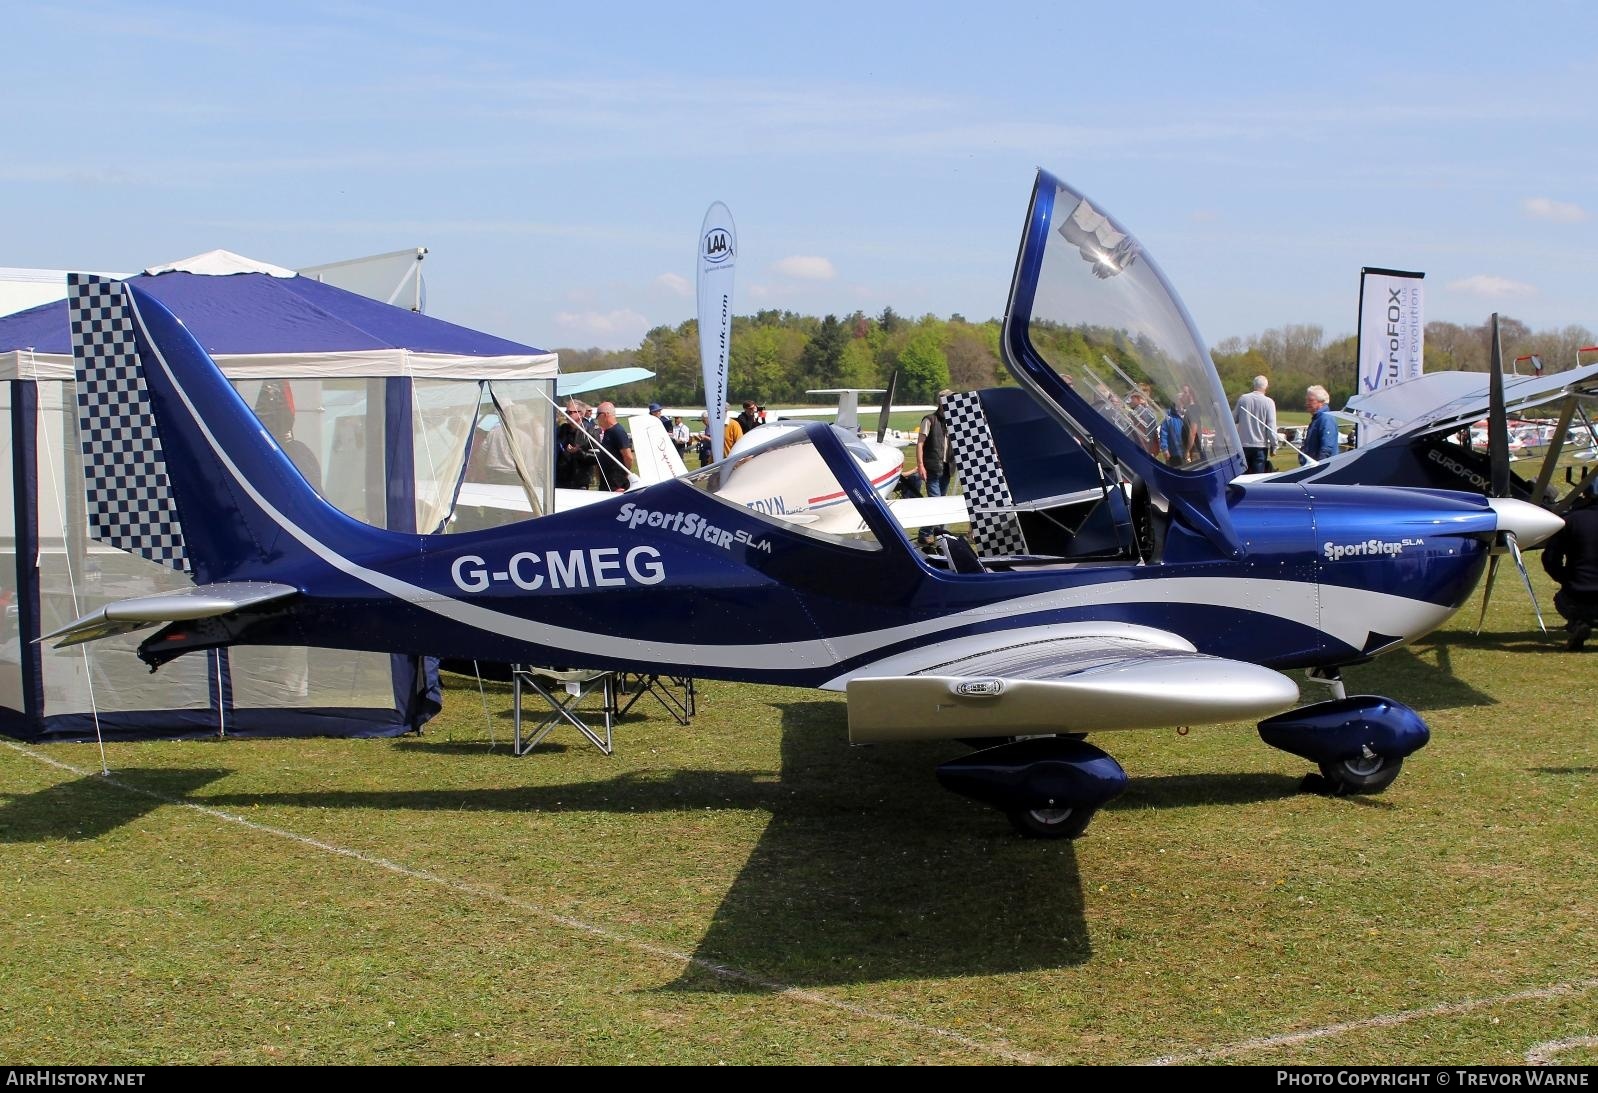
{"x": 925, "y": 512}
{"x": 200, "y": 602}
{"x": 1074, "y": 684}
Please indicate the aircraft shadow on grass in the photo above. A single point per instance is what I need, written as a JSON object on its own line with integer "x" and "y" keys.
{"x": 89, "y": 807}
{"x": 867, "y": 870}
{"x": 1423, "y": 673}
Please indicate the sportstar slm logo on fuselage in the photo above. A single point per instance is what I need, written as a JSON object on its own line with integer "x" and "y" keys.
{"x": 1370, "y": 548}
{"x": 595, "y": 567}
{"x": 690, "y": 524}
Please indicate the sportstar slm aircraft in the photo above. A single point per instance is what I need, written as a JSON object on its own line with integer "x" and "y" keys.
{"x": 1167, "y": 596}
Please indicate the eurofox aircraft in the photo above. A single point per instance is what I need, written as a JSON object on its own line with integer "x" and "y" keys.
{"x": 1166, "y": 597}
{"x": 1406, "y": 432}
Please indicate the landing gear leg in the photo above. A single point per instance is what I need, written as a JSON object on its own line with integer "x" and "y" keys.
{"x": 1329, "y": 677}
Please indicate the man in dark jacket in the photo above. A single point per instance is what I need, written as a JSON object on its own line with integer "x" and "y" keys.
{"x": 1571, "y": 558}
{"x": 934, "y": 460}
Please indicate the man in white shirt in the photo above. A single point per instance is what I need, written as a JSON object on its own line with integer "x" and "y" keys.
{"x": 1256, "y": 427}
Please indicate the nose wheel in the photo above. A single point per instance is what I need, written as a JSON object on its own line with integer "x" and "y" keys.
{"x": 1359, "y": 743}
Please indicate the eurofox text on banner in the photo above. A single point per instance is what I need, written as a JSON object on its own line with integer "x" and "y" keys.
{"x": 1392, "y": 327}
{"x": 718, "y": 249}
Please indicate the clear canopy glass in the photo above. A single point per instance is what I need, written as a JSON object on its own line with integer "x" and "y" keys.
{"x": 1106, "y": 322}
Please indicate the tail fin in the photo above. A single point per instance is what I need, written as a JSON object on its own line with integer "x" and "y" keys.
{"x": 128, "y": 490}
{"x": 656, "y": 454}
{"x": 178, "y": 468}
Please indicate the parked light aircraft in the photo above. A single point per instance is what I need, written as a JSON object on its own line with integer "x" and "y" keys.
{"x": 792, "y": 483}
{"x": 1169, "y": 596}
{"x": 1407, "y": 432}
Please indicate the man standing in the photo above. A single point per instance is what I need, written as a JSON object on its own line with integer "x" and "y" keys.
{"x": 934, "y": 459}
{"x": 616, "y": 466}
{"x": 1145, "y": 422}
{"x": 1320, "y": 439}
{"x": 732, "y": 433}
{"x": 750, "y": 418}
{"x": 573, "y": 466}
{"x": 1571, "y": 558}
{"x": 1173, "y": 436}
{"x": 1256, "y": 427}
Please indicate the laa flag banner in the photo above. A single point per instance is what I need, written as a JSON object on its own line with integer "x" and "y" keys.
{"x": 718, "y": 249}
{"x": 1392, "y": 327}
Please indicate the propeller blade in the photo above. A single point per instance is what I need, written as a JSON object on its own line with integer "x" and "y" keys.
{"x": 1487, "y": 593}
{"x": 887, "y": 408}
{"x": 1498, "y": 420}
{"x": 1520, "y": 564}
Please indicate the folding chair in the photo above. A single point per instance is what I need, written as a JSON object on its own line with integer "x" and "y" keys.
{"x": 674, "y": 693}
{"x": 564, "y": 691}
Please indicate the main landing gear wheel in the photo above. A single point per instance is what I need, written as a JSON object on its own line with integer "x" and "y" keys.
{"x": 1362, "y": 774}
{"x": 1051, "y": 823}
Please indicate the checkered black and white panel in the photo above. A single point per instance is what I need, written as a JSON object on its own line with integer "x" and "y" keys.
{"x": 128, "y": 492}
{"x": 987, "y": 493}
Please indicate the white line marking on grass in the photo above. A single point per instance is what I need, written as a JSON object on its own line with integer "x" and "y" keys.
{"x": 1385, "y": 1020}
{"x": 1547, "y": 1054}
{"x": 723, "y": 971}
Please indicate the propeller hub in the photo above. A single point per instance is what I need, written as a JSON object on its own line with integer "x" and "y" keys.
{"x": 1530, "y": 524}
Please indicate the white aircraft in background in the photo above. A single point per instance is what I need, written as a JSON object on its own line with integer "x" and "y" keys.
{"x": 848, "y": 413}
{"x": 791, "y": 482}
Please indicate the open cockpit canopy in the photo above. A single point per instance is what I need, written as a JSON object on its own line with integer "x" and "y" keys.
{"x": 1095, "y": 328}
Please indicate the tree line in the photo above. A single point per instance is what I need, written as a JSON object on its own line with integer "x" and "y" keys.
{"x": 776, "y": 356}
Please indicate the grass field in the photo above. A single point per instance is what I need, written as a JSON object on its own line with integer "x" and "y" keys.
{"x": 752, "y": 889}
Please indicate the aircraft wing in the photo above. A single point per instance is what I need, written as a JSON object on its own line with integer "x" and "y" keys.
{"x": 186, "y": 604}
{"x": 579, "y": 383}
{"x": 1085, "y": 677}
{"x": 1443, "y": 401}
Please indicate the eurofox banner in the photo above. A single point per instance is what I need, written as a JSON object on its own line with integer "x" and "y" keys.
{"x": 1392, "y": 327}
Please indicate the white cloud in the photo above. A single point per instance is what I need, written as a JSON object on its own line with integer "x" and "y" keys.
{"x": 1561, "y": 212}
{"x": 675, "y": 283}
{"x": 1486, "y": 285}
{"x": 807, "y": 268}
{"x": 604, "y": 324}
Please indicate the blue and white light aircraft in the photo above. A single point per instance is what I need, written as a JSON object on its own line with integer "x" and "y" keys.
{"x": 1107, "y": 589}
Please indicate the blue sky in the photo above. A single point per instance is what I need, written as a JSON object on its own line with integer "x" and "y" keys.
{"x": 557, "y": 160}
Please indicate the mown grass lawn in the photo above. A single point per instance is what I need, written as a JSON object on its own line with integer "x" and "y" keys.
{"x": 752, "y": 889}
